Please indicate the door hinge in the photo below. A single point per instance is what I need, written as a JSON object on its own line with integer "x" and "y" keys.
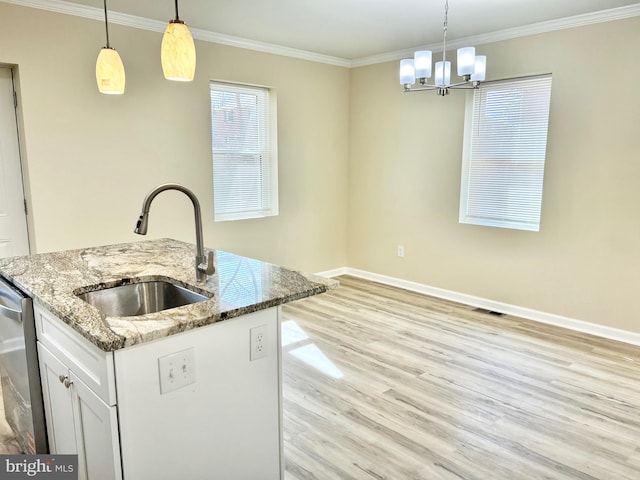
{"x": 26, "y": 210}
{"x": 15, "y": 99}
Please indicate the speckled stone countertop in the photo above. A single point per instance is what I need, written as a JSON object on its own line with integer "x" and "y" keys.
{"x": 239, "y": 286}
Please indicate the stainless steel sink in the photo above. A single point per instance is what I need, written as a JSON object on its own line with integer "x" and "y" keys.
{"x": 140, "y": 298}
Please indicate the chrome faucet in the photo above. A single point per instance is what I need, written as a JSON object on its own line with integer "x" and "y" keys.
{"x": 204, "y": 264}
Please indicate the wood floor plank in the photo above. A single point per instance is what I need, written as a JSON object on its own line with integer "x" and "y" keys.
{"x": 381, "y": 383}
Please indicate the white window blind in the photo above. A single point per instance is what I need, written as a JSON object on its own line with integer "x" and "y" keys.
{"x": 505, "y": 142}
{"x": 244, "y": 164}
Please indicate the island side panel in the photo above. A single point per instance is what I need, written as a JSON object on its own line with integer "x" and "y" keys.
{"x": 224, "y": 425}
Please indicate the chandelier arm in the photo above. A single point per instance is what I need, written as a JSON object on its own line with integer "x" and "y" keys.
{"x": 457, "y": 86}
{"x": 422, "y": 88}
{"x": 463, "y": 87}
{"x": 465, "y": 84}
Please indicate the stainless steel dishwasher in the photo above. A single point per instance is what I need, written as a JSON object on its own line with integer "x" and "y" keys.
{"x": 19, "y": 372}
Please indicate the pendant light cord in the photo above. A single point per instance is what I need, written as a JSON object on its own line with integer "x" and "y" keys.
{"x": 106, "y": 23}
{"x": 177, "y": 16}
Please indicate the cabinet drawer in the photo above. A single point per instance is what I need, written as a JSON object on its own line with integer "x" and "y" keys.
{"x": 93, "y": 366}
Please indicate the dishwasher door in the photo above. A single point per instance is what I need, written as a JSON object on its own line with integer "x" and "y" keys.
{"x": 19, "y": 371}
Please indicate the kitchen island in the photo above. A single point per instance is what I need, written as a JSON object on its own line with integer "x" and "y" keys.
{"x": 192, "y": 391}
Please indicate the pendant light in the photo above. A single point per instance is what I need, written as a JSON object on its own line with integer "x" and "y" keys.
{"x": 178, "y": 52}
{"x": 109, "y": 68}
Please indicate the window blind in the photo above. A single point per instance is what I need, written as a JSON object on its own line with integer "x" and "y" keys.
{"x": 504, "y": 153}
{"x": 244, "y": 176}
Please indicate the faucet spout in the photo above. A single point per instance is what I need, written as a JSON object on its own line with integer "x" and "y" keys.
{"x": 143, "y": 223}
{"x": 204, "y": 264}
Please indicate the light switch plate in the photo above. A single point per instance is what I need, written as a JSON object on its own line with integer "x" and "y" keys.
{"x": 177, "y": 370}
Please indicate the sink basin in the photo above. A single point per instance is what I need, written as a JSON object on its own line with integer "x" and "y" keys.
{"x": 140, "y": 298}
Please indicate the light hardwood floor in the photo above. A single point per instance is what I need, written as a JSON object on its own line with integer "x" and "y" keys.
{"x": 8, "y": 441}
{"x": 412, "y": 387}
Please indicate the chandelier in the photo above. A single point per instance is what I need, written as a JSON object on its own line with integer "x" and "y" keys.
{"x": 471, "y": 67}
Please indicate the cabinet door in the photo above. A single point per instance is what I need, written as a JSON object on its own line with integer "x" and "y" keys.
{"x": 57, "y": 403}
{"x": 96, "y": 432}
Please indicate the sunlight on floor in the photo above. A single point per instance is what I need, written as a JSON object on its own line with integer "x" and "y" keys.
{"x": 309, "y": 352}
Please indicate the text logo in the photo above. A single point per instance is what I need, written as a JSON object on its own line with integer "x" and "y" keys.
{"x": 51, "y": 467}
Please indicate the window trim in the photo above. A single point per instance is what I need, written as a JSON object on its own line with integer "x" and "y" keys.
{"x": 271, "y": 144}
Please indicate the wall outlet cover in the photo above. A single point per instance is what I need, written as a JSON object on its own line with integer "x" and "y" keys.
{"x": 258, "y": 342}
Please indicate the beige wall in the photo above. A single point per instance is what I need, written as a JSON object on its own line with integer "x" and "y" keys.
{"x": 352, "y": 147}
{"x": 91, "y": 158}
{"x": 404, "y": 182}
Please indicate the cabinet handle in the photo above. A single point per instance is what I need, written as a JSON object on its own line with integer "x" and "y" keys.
{"x": 64, "y": 379}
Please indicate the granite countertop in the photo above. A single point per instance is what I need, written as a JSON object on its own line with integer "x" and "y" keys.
{"x": 239, "y": 286}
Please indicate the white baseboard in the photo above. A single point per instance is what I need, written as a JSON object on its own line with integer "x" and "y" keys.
{"x": 523, "y": 312}
{"x": 336, "y": 272}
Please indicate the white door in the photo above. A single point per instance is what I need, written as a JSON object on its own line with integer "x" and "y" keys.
{"x": 13, "y": 220}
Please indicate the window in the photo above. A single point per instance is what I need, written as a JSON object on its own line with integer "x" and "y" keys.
{"x": 505, "y": 142}
{"x": 245, "y": 176}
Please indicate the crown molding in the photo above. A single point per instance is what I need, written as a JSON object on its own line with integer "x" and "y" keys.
{"x": 509, "y": 33}
{"x": 232, "y": 41}
{"x": 68, "y": 8}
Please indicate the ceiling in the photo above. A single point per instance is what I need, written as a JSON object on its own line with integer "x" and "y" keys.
{"x": 356, "y": 29}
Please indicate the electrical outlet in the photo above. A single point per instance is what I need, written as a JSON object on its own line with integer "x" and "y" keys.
{"x": 401, "y": 250}
{"x": 258, "y": 342}
{"x": 177, "y": 370}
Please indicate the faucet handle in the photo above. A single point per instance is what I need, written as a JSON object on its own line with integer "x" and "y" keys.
{"x": 209, "y": 269}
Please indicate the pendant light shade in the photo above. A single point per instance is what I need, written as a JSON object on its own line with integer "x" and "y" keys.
{"x": 178, "y": 52}
{"x": 110, "y": 74}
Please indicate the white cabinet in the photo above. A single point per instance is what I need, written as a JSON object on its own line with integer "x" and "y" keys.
{"x": 224, "y": 423}
{"x": 92, "y": 365}
{"x": 78, "y": 421}
{"x": 58, "y": 403}
{"x": 96, "y": 428}
{"x": 78, "y": 387}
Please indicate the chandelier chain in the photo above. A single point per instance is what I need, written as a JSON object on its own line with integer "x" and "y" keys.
{"x": 446, "y": 16}
{"x": 444, "y": 29}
